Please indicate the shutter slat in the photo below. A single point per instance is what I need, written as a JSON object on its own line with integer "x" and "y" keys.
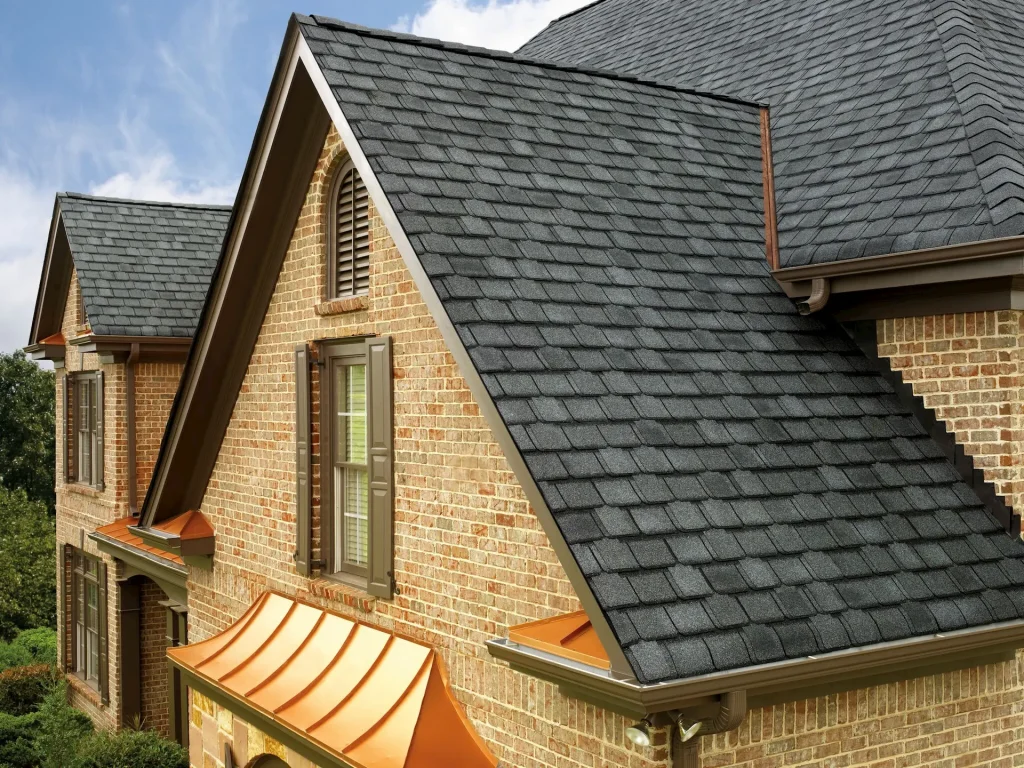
{"x": 69, "y": 429}
{"x": 352, "y": 235}
{"x": 303, "y": 463}
{"x": 380, "y": 581}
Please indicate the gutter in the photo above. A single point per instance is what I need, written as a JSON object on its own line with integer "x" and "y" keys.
{"x": 1000, "y": 257}
{"x": 959, "y": 648}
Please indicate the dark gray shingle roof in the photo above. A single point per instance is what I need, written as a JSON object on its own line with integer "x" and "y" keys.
{"x": 897, "y": 124}
{"x": 736, "y": 481}
{"x": 144, "y": 267}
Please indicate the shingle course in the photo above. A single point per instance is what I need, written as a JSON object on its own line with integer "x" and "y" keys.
{"x": 144, "y": 268}
{"x": 896, "y": 125}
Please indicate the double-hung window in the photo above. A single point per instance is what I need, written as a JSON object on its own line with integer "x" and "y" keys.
{"x": 83, "y": 415}
{"x": 355, "y": 463}
{"x": 88, "y": 618}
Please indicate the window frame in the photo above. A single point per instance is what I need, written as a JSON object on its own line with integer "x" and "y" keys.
{"x": 89, "y": 474}
{"x": 349, "y": 352}
{"x": 331, "y": 230}
{"x": 87, "y": 571}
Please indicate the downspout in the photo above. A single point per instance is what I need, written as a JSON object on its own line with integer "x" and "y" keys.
{"x": 821, "y": 289}
{"x": 732, "y": 709}
{"x": 129, "y": 380}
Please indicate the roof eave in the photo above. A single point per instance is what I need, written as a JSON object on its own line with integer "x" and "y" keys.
{"x": 170, "y": 348}
{"x": 976, "y": 276}
{"x": 777, "y": 681}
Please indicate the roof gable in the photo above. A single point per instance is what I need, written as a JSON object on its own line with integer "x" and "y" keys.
{"x": 734, "y": 483}
{"x": 144, "y": 267}
{"x": 897, "y": 126}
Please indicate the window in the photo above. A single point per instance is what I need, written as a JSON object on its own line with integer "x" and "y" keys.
{"x": 355, "y": 463}
{"x": 348, "y": 235}
{"x": 83, "y": 415}
{"x": 88, "y": 619}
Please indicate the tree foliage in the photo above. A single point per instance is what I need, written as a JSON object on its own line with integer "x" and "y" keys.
{"x": 27, "y": 428}
{"x": 28, "y": 590}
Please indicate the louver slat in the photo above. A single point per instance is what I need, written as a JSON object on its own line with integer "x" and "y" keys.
{"x": 352, "y": 235}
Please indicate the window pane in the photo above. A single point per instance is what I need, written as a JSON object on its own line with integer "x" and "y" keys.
{"x": 92, "y": 641}
{"x": 92, "y": 606}
{"x": 356, "y": 517}
{"x": 350, "y": 424}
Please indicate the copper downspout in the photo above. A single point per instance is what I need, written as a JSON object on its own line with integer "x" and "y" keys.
{"x": 821, "y": 289}
{"x": 771, "y": 224}
{"x": 129, "y": 380}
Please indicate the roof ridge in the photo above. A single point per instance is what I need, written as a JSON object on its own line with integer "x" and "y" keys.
{"x": 608, "y": 74}
{"x": 130, "y": 201}
{"x": 982, "y": 110}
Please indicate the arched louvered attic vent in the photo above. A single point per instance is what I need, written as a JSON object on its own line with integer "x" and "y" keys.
{"x": 348, "y": 235}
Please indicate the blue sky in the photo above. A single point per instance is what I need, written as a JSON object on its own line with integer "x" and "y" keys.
{"x": 159, "y": 100}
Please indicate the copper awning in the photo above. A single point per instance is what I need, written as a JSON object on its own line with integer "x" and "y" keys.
{"x": 570, "y": 636}
{"x": 363, "y": 696}
{"x": 121, "y": 531}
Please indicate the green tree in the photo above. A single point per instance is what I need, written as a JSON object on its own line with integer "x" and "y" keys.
{"x": 28, "y": 590}
{"x": 61, "y": 729}
{"x": 27, "y": 431}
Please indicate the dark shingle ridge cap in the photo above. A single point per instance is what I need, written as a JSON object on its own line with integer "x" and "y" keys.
{"x": 470, "y": 50}
{"x": 153, "y": 203}
{"x": 581, "y": 9}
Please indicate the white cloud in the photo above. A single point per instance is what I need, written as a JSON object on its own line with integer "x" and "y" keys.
{"x": 158, "y": 179}
{"x": 500, "y": 24}
{"x": 24, "y": 220}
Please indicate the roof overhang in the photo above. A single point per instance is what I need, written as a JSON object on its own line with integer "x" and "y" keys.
{"x": 188, "y": 536}
{"x": 791, "y": 680}
{"x": 169, "y": 573}
{"x": 150, "y": 348}
{"x": 340, "y": 693}
{"x": 973, "y": 277}
{"x": 54, "y": 282}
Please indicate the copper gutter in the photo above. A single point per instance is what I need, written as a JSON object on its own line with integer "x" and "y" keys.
{"x": 771, "y": 224}
{"x": 853, "y": 664}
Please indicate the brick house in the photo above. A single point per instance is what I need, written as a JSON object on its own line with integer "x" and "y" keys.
{"x": 499, "y": 438}
{"x": 122, "y": 287}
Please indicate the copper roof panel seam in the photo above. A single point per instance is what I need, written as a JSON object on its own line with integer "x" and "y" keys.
{"x": 246, "y": 647}
{"x": 575, "y": 634}
{"x": 355, "y": 688}
{"x": 398, "y": 669}
{"x": 423, "y": 671}
{"x": 281, "y": 636}
{"x": 228, "y": 636}
{"x": 291, "y": 657}
{"x": 323, "y": 673}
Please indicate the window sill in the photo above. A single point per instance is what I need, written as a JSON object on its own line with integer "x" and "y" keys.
{"x": 85, "y": 490}
{"x": 78, "y": 685}
{"x": 343, "y": 306}
{"x": 353, "y": 597}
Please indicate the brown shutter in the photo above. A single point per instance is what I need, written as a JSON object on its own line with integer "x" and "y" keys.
{"x": 98, "y": 403}
{"x": 381, "y": 567}
{"x": 69, "y": 429}
{"x": 67, "y": 611}
{"x": 104, "y": 661}
{"x": 303, "y": 466}
{"x": 350, "y": 270}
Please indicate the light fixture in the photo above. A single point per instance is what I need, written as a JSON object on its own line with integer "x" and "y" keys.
{"x": 688, "y": 727}
{"x": 640, "y": 733}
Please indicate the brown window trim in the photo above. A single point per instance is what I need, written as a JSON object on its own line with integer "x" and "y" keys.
{"x": 331, "y": 292}
{"x": 88, "y": 570}
{"x": 76, "y": 385}
{"x": 349, "y": 352}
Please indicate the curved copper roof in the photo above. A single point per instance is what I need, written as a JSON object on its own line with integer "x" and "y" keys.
{"x": 371, "y": 698}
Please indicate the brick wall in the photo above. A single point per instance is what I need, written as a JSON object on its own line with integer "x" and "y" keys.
{"x": 471, "y": 560}
{"x": 153, "y": 658}
{"x": 967, "y": 369}
{"x": 81, "y": 509}
{"x": 155, "y": 387}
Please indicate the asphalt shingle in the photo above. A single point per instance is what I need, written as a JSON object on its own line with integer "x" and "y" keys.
{"x": 144, "y": 268}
